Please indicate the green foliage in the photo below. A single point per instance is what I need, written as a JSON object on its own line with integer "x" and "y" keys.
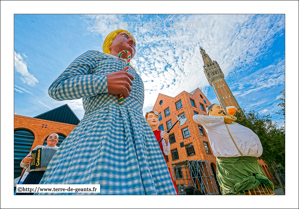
{"x": 272, "y": 137}
{"x": 282, "y": 104}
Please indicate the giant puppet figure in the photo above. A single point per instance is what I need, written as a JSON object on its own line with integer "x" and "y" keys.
{"x": 152, "y": 117}
{"x": 113, "y": 144}
{"x": 35, "y": 174}
{"x": 236, "y": 149}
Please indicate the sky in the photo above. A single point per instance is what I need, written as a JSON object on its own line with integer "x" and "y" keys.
{"x": 250, "y": 50}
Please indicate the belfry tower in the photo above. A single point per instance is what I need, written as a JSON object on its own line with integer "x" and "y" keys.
{"x": 216, "y": 79}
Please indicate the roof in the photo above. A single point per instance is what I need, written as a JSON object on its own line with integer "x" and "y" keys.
{"x": 192, "y": 92}
{"x": 62, "y": 114}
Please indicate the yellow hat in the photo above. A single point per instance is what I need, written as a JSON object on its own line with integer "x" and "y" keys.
{"x": 109, "y": 38}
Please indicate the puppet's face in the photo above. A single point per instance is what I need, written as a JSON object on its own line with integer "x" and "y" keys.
{"x": 217, "y": 111}
{"x": 152, "y": 119}
{"x": 123, "y": 41}
{"x": 52, "y": 140}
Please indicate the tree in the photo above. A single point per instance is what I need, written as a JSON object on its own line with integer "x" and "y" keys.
{"x": 271, "y": 136}
{"x": 282, "y": 104}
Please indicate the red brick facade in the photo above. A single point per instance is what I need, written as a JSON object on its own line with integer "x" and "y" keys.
{"x": 41, "y": 128}
{"x": 196, "y": 138}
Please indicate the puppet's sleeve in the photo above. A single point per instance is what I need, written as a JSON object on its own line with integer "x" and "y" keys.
{"x": 166, "y": 148}
{"x": 24, "y": 165}
{"x": 207, "y": 120}
{"x": 77, "y": 80}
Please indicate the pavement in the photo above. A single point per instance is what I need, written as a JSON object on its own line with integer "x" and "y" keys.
{"x": 278, "y": 191}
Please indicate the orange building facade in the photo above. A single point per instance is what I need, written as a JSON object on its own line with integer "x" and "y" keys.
{"x": 188, "y": 141}
{"x": 196, "y": 137}
{"x": 40, "y": 128}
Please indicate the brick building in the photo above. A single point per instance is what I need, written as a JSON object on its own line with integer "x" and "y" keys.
{"x": 189, "y": 141}
{"x": 32, "y": 131}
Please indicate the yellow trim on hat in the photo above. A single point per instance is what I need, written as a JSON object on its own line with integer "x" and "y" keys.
{"x": 109, "y": 38}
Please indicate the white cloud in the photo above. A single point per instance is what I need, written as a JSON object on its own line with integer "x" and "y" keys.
{"x": 280, "y": 124}
{"x": 264, "y": 78}
{"x": 21, "y": 90}
{"x": 75, "y": 104}
{"x": 214, "y": 101}
{"x": 18, "y": 90}
{"x": 21, "y": 67}
{"x": 257, "y": 104}
{"x": 264, "y": 111}
{"x": 272, "y": 108}
{"x": 170, "y": 56}
{"x": 45, "y": 105}
{"x": 103, "y": 24}
{"x": 278, "y": 97}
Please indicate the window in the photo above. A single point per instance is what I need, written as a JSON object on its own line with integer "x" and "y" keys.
{"x": 169, "y": 124}
{"x": 167, "y": 112}
{"x": 178, "y": 172}
{"x": 175, "y": 154}
{"x": 182, "y": 144}
{"x": 183, "y": 115}
{"x": 190, "y": 150}
{"x": 206, "y": 144}
{"x": 195, "y": 113}
{"x": 160, "y": 116}
{"x": 202, "y": 107}
{"x": 201, "y": 96}
{"x": 205, "y": 101}
{"x": 179, "y": 105}
{"x": 161, "y": 102}
{"x": 186, "y": 132}
{"x": 161, "y": 127}
{"x": 192, "y": 102}
{"x": 171, "y": 139}
{"x": 201, "y": 130}
{"x": 23, "y": 140}
{"x": 166, "y": 156}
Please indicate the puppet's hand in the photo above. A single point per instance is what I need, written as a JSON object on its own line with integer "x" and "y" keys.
{"x": 120, "y": 82}
{"x": 229, "y": 119}
{"x": 165, "y": 136}
{"x": 27, "y": 159}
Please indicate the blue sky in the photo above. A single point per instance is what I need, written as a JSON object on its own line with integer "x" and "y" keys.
{"x": 250, "y": 50}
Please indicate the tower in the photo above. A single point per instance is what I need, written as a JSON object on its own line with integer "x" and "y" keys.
{"x": 216, "y": 79}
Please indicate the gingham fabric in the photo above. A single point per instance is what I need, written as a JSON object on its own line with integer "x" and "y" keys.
{"x": 113, "y": 145}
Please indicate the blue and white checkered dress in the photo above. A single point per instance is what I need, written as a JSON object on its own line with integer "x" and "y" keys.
{"x": 113, "y": 145}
